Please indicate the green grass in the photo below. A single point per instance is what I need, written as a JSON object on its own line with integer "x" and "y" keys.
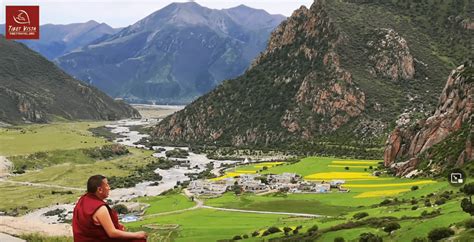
{"x": 292, "y": 203}
{"x": 29, "y": 139}
{"x": 159, "y": 204}
{"x": 76, "y": 175}
{"x": 211, "y": 225}
{"x": 27, "y": 198}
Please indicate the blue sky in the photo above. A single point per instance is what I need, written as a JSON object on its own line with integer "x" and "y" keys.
{"x": 121, "y": 13}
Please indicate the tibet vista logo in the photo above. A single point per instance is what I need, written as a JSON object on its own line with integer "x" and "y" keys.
{"x": 22, "y": 22}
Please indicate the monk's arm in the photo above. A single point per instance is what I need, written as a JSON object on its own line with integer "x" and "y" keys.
{"x": 103, "y": 216}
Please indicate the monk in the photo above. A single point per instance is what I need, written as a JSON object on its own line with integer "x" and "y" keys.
{"x": 94, "y": 220}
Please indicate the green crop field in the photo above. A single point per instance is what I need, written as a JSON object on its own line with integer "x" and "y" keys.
{"x": 160, "y": 204}
{"x": 28, "y": 139}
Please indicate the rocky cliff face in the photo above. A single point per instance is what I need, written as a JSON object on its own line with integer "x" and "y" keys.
{"x": 32, "y": 89}
{"x": 409, "y": 145}
{"x": 327, "y": 76}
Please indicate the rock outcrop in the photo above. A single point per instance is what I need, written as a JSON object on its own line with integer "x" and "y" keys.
{"x": 454, "y": 113}
{"x": 328, "y": 77}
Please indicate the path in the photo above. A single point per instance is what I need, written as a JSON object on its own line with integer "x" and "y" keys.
{"x": 8, "y": 238}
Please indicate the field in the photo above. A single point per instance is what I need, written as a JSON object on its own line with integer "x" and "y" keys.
{"x": 410, "y": 202}
{"x": 68, "y": 168}
{"x": 41, "y": 137}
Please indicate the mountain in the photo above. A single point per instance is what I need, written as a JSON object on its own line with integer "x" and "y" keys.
{"x": 175, "y": 54}
{"x": 333, "y": 77}
{"x": 33, "y": 89}
{"x": 57, "y": 40}
{"x": 443, "y": 139}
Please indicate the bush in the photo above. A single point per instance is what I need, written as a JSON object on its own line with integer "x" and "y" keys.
{"x": 369, "y": 237}
{"x": 339, "y": 239}
{"x": 255, "y": 233}
{"x": 414, "y": 208}
{"x": 392, "y": 226}
{"x": 427, "y": 204}
{"x": 287, "y": 230}
{"x": 469, "y": 223}
{"x": 360, "y": 215}
{"x": 120, "y": 208}
{"x": 313, "y": 229}
{"x": 440, "y": 201}
{"x": 414, "y": 188}
{"x": 273, "y": 230}
{"x": 346, "y": 168}
{"x": 413, "y": 201}
{"x": 386, "y": 202}
{"x": 440, "y": 233}
{"x": 237, "y": 237}
{"x": 245, "y": 236}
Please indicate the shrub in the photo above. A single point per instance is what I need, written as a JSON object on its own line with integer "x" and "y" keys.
{"x": 237, "y": 237}
{"x": 427, "y": 204}
{"x": 287, "y": 230}
{"x": 414, "y": 188}
{"x": 360, "y": 215}
{"x": 273, "y": 230}
{"x": 386, "y": 202}
{"x": 369, "y": 237}
{"x": 440, "y": 201}
{"x": 339, "y": 239}
{"x": 120, "y": 208}
{"x": 346, "y": 168}
{"x": 440, "y": 233}
{"x": 413, "y": 201}
{"x": 469, "y": 223}
{"x": 414, "y": 208}
{"x": 255, "y": 233}
{"x": 392, "y": 226}
{"x": 245, "y": 236}
{"x": 313, "y": 229}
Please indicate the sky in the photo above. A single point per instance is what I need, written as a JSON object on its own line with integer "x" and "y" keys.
{"x": 121, "y": 13}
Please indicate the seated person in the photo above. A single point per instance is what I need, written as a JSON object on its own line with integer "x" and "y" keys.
{"x": 94, "y": 220}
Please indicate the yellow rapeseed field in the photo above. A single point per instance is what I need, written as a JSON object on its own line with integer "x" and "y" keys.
{"x": 232, "y": 174}
{"x": 268, "y": 164}
{"x": 347, "y": 162}
{"x": 390, "y": 184}
{"x": 348, "y": 166}
{"x": 339, "y": 175}
{"x": 381, "y": 193}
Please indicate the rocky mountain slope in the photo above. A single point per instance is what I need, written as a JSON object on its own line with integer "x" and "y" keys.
{"x": 32, "y": 89}
{"x": 443, "y": 139}
{"x": 333, "y": 76}
{"x": 175, "y": 54}
{"x": 58, "y": 39}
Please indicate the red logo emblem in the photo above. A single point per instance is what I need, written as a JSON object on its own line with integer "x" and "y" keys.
{"x": 22, "y": 22}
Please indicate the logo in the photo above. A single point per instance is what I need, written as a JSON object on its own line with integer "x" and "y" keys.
{"x": 22, "y": 22}
{"x": 457, "y": 177}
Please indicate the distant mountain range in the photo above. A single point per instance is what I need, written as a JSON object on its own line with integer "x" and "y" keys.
{"x": 33, "y": 89}
{"x": 175, "y": 54}
{"x": 57, "y": 39}
{"x": 335, "y": 79}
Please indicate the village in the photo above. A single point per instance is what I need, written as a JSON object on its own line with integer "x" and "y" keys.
{"x": 259, "y": 183}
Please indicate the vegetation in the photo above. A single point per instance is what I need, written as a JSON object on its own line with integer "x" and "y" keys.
{"x": 440, "y": 233}
{"x": 177, "y": 153}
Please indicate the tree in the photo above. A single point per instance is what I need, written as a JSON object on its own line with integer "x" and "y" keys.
{"x": 287, "y": 230}
{"x": 346, "y": 168}
{"x": 360, "y": 215}
{"x": 369, "y": 237}
{"x": 392, "y": 226}
{"x": 237, "y": 237}
{"x": 440, "y": 233}
{"x": 413, "y": 188}
{"x": 313, "y": 229}
{"x": 339, "y": 239}
{"x": 466, "y": 204}
{"x": 120, "y": 208}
